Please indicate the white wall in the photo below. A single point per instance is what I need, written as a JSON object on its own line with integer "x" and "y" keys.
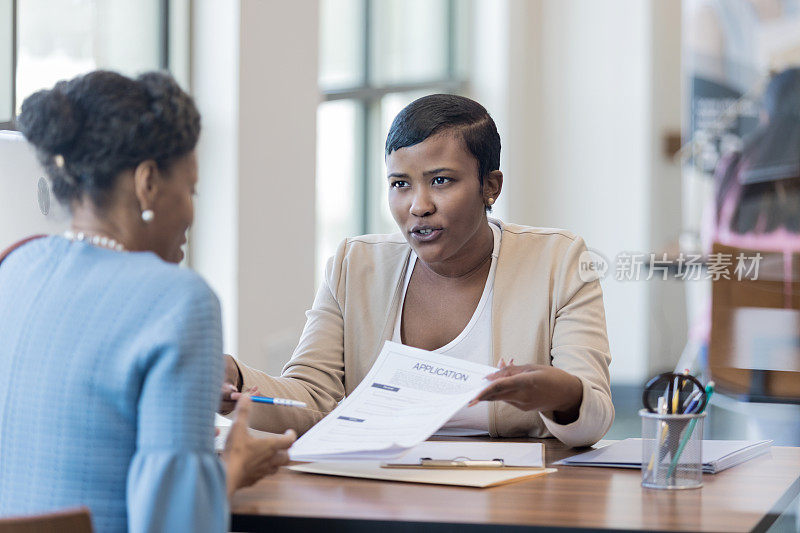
{"x": 255, "y": 80}
{"x": 278, "y": 100}
{"x": 668, "y": 320}
{"x": 582, "y": 92}
{"x": 215, "y": 85}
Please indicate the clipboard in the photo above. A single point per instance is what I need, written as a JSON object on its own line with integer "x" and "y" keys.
{"x": 458, "y": 463}
{"x": 482, "y": 456}
{"x": 463, "y": 477}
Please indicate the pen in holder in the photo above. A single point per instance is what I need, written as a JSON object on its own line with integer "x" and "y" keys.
{"x": 672, "y": 450}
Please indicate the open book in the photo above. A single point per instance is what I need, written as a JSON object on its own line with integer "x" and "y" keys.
{"x": 717, "y": 454}
{"x": 407, "y": 395}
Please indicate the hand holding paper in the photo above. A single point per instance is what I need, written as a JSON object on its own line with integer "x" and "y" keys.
{"x": 407, "y": 395}
{"x": 540, "y": 387}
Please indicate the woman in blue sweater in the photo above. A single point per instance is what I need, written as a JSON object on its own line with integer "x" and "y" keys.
{"x": 110, "y": 353}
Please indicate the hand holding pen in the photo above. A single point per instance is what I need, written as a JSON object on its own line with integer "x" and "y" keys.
{"x": 232, "y": 390}
{"x": 253, "y": 392}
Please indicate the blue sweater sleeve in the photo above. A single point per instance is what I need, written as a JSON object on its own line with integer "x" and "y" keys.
{"x": 175, "y": 480}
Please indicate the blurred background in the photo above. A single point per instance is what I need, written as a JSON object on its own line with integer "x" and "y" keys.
{"x": 613, "y": 116}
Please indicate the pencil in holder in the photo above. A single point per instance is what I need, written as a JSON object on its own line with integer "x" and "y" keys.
{"x": 672, "y": 450}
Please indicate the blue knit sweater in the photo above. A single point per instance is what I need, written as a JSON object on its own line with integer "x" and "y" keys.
{"x": 110, "y": 369}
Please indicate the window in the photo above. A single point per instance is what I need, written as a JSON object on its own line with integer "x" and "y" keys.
{"x": 45, "y": 41}
{"x": 376, "y": 56}
{"x": 6, "y": 62}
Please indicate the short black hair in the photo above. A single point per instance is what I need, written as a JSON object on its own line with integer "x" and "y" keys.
{"x": 437, "y": 113}
{"x": 89, "y": 129}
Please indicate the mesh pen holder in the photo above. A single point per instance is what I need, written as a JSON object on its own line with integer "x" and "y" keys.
{"x": 672, "y": 450}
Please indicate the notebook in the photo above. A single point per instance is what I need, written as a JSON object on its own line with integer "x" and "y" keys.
{"x": 718, "y": 455}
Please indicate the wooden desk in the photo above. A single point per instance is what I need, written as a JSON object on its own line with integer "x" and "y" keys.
{"x": 748, "y": 497}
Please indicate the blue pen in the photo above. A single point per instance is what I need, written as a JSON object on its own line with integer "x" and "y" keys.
{"x": 689, "y": 430}
{"x": 690, "y": 401}
{"x": 694, "y": 404}
{"x": 277, "y": 401}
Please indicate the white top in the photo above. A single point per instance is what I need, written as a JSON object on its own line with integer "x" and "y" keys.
{"x": 474, "y": 343}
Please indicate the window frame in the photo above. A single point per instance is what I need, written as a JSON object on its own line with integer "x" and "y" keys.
{"x": 13, "y": 77}
{"x": 367, "y": 96}
{"x": 165, "y": 8}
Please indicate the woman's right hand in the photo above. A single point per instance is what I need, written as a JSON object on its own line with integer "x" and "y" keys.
{"x": 231, "y": 385}
{"x": 249, "y": 458}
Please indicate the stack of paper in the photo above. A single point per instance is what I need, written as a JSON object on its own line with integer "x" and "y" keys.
{"x": 717, "y": 454}
{"x": 407, "y": 395}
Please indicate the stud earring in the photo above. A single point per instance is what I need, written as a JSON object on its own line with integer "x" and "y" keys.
{"x": 148, "y": 215}
{"x": 490, "y": 201}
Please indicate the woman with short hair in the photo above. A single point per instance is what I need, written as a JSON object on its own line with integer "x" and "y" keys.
{"x": 456, "y": 282}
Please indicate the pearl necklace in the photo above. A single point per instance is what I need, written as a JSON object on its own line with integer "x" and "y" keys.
{"x": 97, "y": 240}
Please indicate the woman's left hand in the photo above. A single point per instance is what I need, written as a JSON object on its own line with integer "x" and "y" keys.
{"x": 536, "y": 387}
{"x": 248, "y": 458}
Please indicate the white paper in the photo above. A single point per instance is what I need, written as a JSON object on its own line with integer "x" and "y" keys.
{"x": 520, "y": 454}
{"x": 407, "y": 395}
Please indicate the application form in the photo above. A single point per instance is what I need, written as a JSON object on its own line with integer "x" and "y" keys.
{"x": 407, "y": 395}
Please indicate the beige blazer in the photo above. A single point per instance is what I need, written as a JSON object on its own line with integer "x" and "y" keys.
{"x": 542, "y": 313}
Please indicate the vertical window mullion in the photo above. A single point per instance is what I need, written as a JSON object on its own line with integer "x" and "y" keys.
{"x": 366, "y": 68}
{"x": 367, "y": 108}
{"x": 451, "y": 40}
{"x": 164, "y": 48}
